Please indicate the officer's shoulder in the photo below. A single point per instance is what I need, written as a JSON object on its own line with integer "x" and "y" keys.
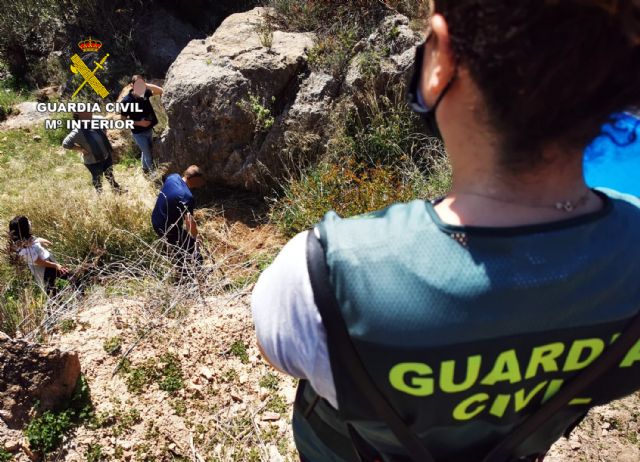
{"x": 376, "y": 226}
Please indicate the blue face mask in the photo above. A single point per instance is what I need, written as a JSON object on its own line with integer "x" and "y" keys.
{"x": 416, "y": 100}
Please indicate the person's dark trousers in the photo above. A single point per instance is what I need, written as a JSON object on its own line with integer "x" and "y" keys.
{"x": 100, "y": 169}
{"x": 51, "y": 275}
{"x": 183, "y": 248}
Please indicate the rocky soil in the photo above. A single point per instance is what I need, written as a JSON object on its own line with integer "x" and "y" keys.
{"x": 230, "y": 406}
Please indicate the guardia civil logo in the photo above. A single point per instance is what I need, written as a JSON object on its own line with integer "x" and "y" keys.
{"x": 79, "y": 66}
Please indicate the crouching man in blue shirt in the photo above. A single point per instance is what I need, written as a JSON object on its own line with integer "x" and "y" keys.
{"x": 172, "y": 216}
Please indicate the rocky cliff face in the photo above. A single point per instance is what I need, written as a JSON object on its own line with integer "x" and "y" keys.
{"x": 242, "y": 102}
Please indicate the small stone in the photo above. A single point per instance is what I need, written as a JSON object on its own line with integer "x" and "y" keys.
{"x": 11, "y": 446}
{"x": 244, "y": 378}
{"x": 235, "y": 396}
{"x": 606, "y": 425}
{"x": 126, "y": 445}
{"x": 264, "y": 394}
{"x": 206, "y": 373}
{"x": 37, "y": 138}
{"x": 172, "y": 446}
{"x": 270, "y": 416}
{"x": 575, "y": 445}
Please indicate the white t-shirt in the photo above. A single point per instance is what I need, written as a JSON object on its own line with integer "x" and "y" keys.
{"x": 288, "y": 324}
{"x": 30, "y": 254}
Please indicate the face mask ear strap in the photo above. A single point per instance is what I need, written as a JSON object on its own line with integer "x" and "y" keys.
{"x": 416, "y": 101}
{"x": 446, "y": 88}
{"x": 413, "y": 96}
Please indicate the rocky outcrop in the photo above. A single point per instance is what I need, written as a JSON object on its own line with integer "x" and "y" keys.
{"x": 244, "y": 103}
{"x": 31, "y": 374}
{"x": 385, "y": 58}
{"x": 223, "y": 96}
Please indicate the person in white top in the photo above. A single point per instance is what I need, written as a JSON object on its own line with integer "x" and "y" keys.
{"x": 35, "y": 253}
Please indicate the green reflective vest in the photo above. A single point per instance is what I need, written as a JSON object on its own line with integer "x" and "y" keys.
{"x": 468, "y": 330}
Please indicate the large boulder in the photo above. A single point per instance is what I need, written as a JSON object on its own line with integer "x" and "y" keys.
{"x": 31, "y": 374}
{"x": 245, "y": 105}
{"x": 217, "y": 92}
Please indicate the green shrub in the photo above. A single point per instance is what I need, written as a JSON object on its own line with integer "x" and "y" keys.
{"x": 172, "y": 380}
{"x": 45, "y": 433}
{"x": 239, "y": 350}
{"x": 93, "y": 453}
{"x": 259, "y": 111}
{"x": 142, "y": 376}
{"x": 11, "y": 93}
{"x": 5, "y": 456}
{"x": 112, "y": 345}
{"x": 167, "y": 372}
{"x": 269, "y": 381}
{"x": 339, "y": 25}
{"x": 67, "y": 325}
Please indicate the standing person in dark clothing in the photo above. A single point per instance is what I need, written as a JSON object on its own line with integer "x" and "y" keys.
{"x": 96, "y": 150}
{"x": 140, "y": 92}
{"x": 172, "y": 216}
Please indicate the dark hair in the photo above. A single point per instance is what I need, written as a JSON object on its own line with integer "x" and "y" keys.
{"x": 19, "y": 228}
{"x": 136, "y": 77}
{"x": 552, "y": 72}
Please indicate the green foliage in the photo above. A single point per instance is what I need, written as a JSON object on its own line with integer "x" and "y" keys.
{"x": 179, "y": 406}
{"x": 67, "y": 325}
{"x": 93, "y": 453}
{"x": 138, "y": 378}
{"x": 369, "y": 63}
{"x": 257, "y": 107}
{"x": 167, "y": 372}
{"x": 113, "y": 345}
{"x": 339, "y": 25}
{"x": 265, "y": 31}
{"x": 334, "y": 51}
{"x": 11, "y": 93}
{"x": 230, "y": 375}
{"x": 277, "y": 404}
{"x": 45, "y": 432}
{"x": 323, "y": 15}
{"x": 239, "y": 350}
{"x": 172, "y": 380}
{"x": 5, "y": 456}
{"x": 63, "y": 208}
{"x": 269, "y": 381}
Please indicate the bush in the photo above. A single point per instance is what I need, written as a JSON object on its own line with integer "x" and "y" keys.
{"x": 378, "y": 156}
{"x": 112, "y": 345}
{"x": 45, "y": 433}
{"x": 239, "y": 350}
{"x": 339, "y": 25}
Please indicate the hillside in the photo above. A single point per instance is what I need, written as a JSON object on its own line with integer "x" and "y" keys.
{"x": 292, "y": 109}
